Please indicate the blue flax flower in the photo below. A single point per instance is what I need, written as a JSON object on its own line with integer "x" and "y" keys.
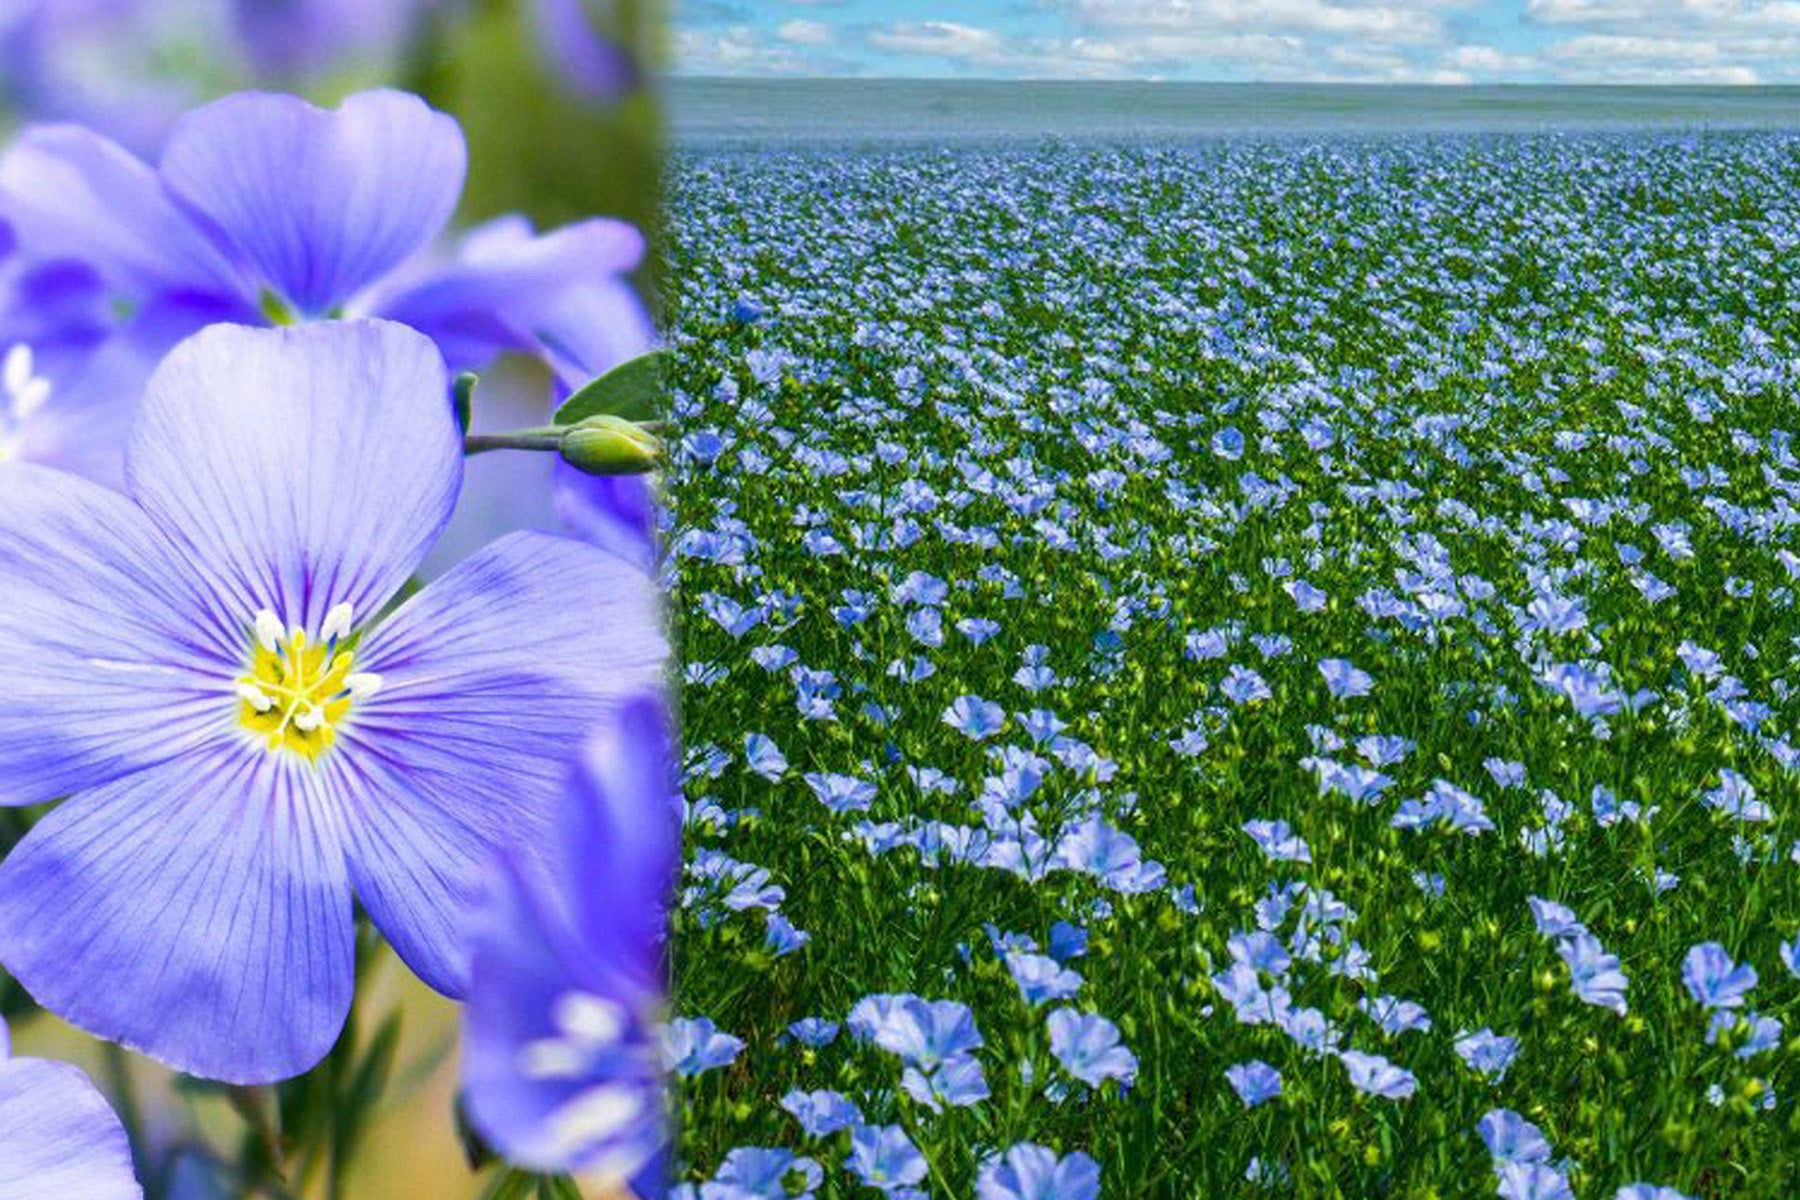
{"x": 1790, "y": 956}
{"x": 1041, "y": 978}
{"x": 1713, "y": 979}
{"x": 1510, "y": 1138}
{"x": 1532, "y": 1181}
{"x": 780, "y": 937}
{"x": 814, "y": 1031}
{"x": 694, "y": 1046}
{"x": 1487, "y": 1052}
{"x": 197, "y": 663}
{"x": 760, "y": 1173}
{"x": 1376, "y": 1076}
{"x": 764, "y": 757}
{"x": 822, "y": 1113}
{"x": 1067, "y": 941}
{"x": 1594, "y": 975}
{"x": 975, "y": 718}
{"x": 1032, "y": 1172}
{"x": 958, "y": 1082}
{"x": 1344, "y": 680}
{"x": 883, "y": 1157}
{"x": 1554, "y": 919}
{"x": 924, "y": 1033}
{"x": 1278, "y": 841}
{"x": 1088, "y": 1047}
{"x": 561, "y": 1065}
{"x": 1255, "y": 1082}
{"x": 58, "y": 1139}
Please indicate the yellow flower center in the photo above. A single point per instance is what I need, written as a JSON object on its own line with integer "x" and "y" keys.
{"x": 298, "y": 690}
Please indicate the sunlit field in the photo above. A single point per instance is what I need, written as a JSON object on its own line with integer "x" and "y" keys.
{"x": 1271, "y": 668}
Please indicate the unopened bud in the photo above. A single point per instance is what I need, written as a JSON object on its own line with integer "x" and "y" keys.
{"x": 608, "y": 445}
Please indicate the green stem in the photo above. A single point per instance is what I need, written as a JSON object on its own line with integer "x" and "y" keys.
{"x": 524, "y": 439}
{"x": 253, "y": 1105}
{"x": 131, "y": 1114}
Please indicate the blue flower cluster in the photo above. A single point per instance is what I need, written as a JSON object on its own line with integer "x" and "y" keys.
{"x": 1237, "y": 670}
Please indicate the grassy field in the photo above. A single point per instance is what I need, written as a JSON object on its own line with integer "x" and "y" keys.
{"x": 1327, "y": 606}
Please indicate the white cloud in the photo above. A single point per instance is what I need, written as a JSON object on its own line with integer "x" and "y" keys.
{"x": 1671, "y": 41}
{"x": 736, "y": 50}
{"x": 1396, "y": 21}
{"x": 1644, "y": 12}
{"x": 1734, "y": 41}
{"x": 1138, "y": 56}
{"x": 947, "y": 38}
{"x": 801, "y": 32}
{"x": 1610, "y": 41}
{"x": 1238, "y": 39}
{"x": 1618, "y": 58}
{"x": 1489, "y": 61}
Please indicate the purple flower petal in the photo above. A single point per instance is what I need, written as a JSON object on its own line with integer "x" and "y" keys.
{"x": 298, "y": 468}
{"x": 299, "y": 39}
{"x": 71, "y": 194}
{"x": 594, "y": 329}
{"x": 624, "y": 828}
{"x": 561, "y": 1067}
{"x": 588, "y": 62}
{"x": 105, "y": 674}
{"x": 58, "y": 1138}
{"x": 614, "y": 512}
{"x": 510, "y": 286}
{"x": 198, "y": 912}
{"x": 490, "y": 677}
{"x": 84, "y": 424}
{"x": 319, "y": 204}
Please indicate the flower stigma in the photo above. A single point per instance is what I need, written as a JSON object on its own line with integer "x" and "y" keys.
{"x": 298, "y": 689}
{"x": 22, "y": 393}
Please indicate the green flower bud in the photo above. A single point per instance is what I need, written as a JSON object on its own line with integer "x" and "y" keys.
{"x": 607, "y": 445}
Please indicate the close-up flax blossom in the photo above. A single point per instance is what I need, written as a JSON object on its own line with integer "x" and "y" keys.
{"x": 335, "y": 693}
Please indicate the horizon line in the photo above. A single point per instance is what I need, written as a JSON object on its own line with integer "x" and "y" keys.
{"x": 678, "y": 76}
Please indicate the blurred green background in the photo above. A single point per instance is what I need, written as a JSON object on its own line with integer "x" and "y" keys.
{"x": 535, "y": 146}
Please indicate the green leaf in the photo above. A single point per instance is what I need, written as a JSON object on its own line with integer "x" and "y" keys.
{"x": 511, "y": 1185}
{"x": 633, "y": 390}
{"x": 365, "y": 1088}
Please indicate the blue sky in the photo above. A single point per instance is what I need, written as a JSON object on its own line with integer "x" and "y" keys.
{"x": 1449, "y": 41}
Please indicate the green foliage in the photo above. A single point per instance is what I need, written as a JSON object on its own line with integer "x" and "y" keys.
{"x": 632, "y": 390}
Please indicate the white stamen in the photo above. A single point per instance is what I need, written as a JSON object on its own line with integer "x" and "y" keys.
{"x": 337, "y": 623}
{"x": 309, "y": 720}
{"x": 268, "y": 630}
{"x": 595, "y": 1115}
{"x": 16, "y": 373}
{"x": 255, "y": 697}
{"x": 28, "y": 399}
{"x": 609, "y": 1172}
{"x": 588, "y": 1019}
{"x": 363, "y": 684}
{"x": 551, "y": 1058}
